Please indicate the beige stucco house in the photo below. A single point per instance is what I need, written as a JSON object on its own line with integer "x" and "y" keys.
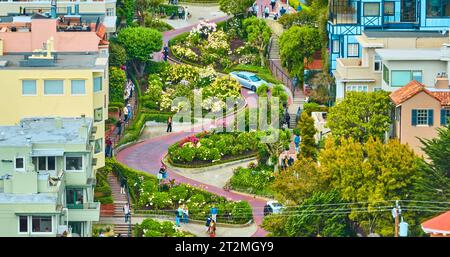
{"x": 392, "y": 59}
{"x": 419, "y": 111}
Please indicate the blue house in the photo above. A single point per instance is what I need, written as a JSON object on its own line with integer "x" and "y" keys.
{"x": 348, "y": 18}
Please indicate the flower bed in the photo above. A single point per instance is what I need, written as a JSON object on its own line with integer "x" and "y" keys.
{"x": 166, "y": 197}
{"x": 207, "y": 148}
{"x": 153, "y": 228}
{"x": 253, "y": 180}
{"x": 219, "y": 45}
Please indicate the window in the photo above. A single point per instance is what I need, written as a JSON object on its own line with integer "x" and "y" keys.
{"x": 401, "y": 78}
{"x": 53, "y": 87}
{"x": 29, "y": 87}
{"x": 74, "y": 198}
{"x": 422, "y": 117}
{"x": 344, "y": 12}
{"x": 358, "y": 88}
{"x": 389, "y": 8}
{"x": 335, "y": 45}
{"x": 438, "y": 8}
{"x": 445, "y": 116}
{"x": 386, "y": 74}
{"x": 19, "y": 164}
{"x": 23, "y": 224}
{"x": 376, "y": 64}
{"x": 353, "y": 50}
{"x": 376, "y": 89}
{"x": 371, "y": 9}
{"x": 98, "y": 147}
{"x": 74, "y": 163}
{"x": 44, "y": 163}
{"x": 109, "y": 11}
{"x": 42, "y": 224}
{"x": 98, "y": 114}
{"x": 417, "y": 75}
{"x": 78, "y": 87}
{"x": 97, "y": 84}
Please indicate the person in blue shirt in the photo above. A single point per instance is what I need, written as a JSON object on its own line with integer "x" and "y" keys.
{"x": 282, "y": 11}
{"x": 297, "y": 143}
{"x": 214, "y": 213}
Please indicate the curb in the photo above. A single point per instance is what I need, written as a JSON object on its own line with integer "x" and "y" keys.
{"x": 198, "y": 170}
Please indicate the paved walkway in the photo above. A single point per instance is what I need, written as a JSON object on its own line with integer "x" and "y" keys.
{"x": 146, "y": 156}
{"x": 198, "y": 13}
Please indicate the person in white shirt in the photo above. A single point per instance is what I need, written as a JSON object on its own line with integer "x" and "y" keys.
{"x": 126, "y": 210}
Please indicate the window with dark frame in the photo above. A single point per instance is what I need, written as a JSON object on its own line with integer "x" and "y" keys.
{"x": 422, "y": 117}
{"x": 74, "y": 163}
{"x": 389, "y": 8}
{"x": 19, "y": 163}
{"x": 438, "y": 8}
{"x": 371, "y": 9}
{"x": 23, "y": 224}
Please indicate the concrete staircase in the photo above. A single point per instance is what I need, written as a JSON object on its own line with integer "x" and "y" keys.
{"x": 274, "y": 53}
{"x": 119, "y": 201}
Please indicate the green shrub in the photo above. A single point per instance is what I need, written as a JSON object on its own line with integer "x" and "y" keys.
{"x": 314, "y": 107}
{"x": 254, "y": 181}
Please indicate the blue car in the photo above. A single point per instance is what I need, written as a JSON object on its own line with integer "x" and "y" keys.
{"x": 248, "y": 80}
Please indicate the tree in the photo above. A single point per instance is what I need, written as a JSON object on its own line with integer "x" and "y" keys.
{"x": 307, "y": 133}
{"x": 117, "y": 80}
{"x": 303, "y": 18}
{"x": 140, "y": 43}
{"x": 258, "y": 34}
{"x": 373, "y": 173}
{"x": 274, "y": 143}
{"x": 298, "y": 182}
{"x": 143, "y": 6}
{"x": 117, "y": 55}
{"x": 296, "y": 45}
{"x": 361, "y": 115}
{"x": 438, "y": 151}
{"x": 235, "y": 7}
{"x": 128, "y": 7}
{"x": 323, "y": 214}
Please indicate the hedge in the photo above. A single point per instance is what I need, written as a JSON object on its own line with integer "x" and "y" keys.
{"x": 102, "y": 188}
{"x": 140, "y": 182}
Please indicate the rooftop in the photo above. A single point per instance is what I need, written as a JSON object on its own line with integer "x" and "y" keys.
{"x": 63, "y": 61}
{"x": 413, "y": 88}
{"x": 409, "y": 54}
{"x": 438, "y": 225}
{"x": 46, "y": 131}
{"x": 403, "y": 34}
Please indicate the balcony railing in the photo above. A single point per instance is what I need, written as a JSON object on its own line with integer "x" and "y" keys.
{"x": 84, "y": 206}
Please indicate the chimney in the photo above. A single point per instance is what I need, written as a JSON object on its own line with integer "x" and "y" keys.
{"x": 58, "y": 123}
{"x": 441, "y": 83}
{"x": 83, "y": 131}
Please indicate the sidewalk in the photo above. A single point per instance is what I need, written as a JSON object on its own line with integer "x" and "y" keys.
{"x": 198, "y": 13}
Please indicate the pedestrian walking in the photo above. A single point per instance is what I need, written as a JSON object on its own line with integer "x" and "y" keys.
{"x": 130, "y": 111}
{"x": 180, "y": 12}
{"x": 266, "y": 12}
{"x": 213, "y": 213}
{"x": 125, "y": 114}
{"x": 290, "y": 161}
{"x": 119, "y": 127}
{"x": 283, "y": 162}
{"x": 186, "y": 13}
{"x": 287, "y": 118}
{"x": 126, "y": 210}
{"x": 208, "y": 222}
{"x": 273, "y": 3}
{"x": 179, "y": 215}
{"x": 297, "y": 143}
{"x": 185, "y": 215}
{"x": 169, "y": 124}
{"x": 122, "y": 186}
{"x": 282, "y": 11}
{"x": 166, "y": 53}
{"x": 212, "y": 229}
{"x": 108, "y": 148}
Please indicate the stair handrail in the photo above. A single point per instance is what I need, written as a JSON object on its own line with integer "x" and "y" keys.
{"x": 127, "y": 190}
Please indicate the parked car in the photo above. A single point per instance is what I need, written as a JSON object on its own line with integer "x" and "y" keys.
{"x": 273, "y": 207}
{"x": 248, "y": 79}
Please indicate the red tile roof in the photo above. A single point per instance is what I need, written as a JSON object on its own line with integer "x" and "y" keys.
{"x": 439, "y": 224}
{"x": 444, "y": 97}
{"x": 409, "y": 90}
